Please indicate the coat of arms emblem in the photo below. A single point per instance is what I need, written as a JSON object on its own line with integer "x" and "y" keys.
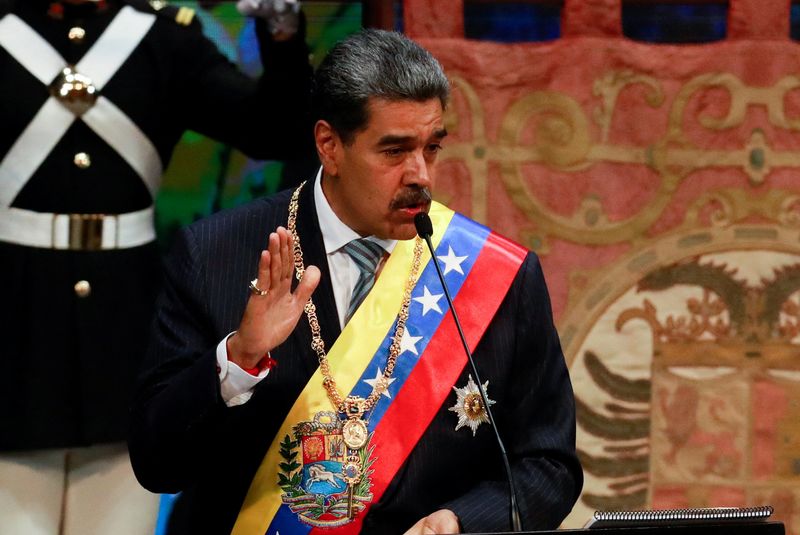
{"x": 317, "y": 476}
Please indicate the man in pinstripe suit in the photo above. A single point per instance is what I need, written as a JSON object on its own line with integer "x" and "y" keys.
{"x": 227, "y": 364}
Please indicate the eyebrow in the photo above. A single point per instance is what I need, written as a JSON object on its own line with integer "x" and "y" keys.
{"x": 392, "y": 139}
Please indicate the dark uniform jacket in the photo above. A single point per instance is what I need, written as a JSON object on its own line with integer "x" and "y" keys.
{"x": 68, "y": 362}
{"x": 184, "y": 438}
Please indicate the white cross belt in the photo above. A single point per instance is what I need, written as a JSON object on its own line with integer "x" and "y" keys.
{"x": 52, "y": 121}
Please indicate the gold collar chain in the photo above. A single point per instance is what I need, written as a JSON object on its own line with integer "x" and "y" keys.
{"x": 353, "y": 407}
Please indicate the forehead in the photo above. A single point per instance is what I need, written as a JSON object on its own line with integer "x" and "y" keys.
{"x": 405, "y": 118}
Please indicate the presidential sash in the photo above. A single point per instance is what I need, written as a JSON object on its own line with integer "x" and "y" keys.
{"x": 302, "y": 485}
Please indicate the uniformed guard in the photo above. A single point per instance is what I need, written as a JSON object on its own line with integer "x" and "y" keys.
{"x": 96, "y": 94}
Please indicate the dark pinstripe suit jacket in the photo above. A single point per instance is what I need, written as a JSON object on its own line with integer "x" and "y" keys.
{"x": 184, "y": 438}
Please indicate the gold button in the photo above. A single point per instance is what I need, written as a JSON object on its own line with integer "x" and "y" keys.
{"x": 82, "y": 160}
{"x": 76, "y": 34}
{"x": 83, "y": 289}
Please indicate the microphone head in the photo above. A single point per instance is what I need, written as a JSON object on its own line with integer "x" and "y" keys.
{"x": 423, "y": 224}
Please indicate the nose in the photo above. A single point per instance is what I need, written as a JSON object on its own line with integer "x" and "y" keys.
{"x": 419, "y": 171}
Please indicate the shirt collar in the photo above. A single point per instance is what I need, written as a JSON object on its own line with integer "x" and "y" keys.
{"x": 335, "y": 233}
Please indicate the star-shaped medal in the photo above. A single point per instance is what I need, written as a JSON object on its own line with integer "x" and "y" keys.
{"x": 469, "y": 406}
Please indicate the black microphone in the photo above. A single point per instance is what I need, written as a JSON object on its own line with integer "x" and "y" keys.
{"x": 424, "y": 228}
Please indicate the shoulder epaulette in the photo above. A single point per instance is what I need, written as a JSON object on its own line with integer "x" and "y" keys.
{"x": 182, "y": 15}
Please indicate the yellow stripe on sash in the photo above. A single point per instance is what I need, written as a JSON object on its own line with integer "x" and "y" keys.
{"x": 349, "y": 356}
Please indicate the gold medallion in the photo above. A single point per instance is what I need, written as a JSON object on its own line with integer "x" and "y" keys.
{"x": 354, "y": 433}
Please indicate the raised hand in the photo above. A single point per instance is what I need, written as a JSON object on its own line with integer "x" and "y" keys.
{"x": 270, "y": 318}
{"x": 282, "y": 16}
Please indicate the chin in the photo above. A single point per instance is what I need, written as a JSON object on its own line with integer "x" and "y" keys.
{"x": 402, "y": 232}
{"x": 408, "y": 235}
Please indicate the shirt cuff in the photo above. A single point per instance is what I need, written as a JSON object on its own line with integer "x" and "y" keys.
{"x": 236, "y": 384}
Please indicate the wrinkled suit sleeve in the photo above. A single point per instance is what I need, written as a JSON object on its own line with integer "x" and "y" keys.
{"x": 177, "y": 404}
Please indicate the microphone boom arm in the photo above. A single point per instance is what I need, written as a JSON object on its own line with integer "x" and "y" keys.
{"x": 424, "y": 228}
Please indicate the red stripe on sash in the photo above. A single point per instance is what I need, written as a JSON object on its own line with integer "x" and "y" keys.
{"x": 432, "y": 378}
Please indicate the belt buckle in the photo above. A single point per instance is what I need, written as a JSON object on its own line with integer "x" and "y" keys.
{"x": 86, "y": 232}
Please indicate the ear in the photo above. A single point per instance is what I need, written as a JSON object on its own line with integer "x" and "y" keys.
{"x": 329, "y": 146}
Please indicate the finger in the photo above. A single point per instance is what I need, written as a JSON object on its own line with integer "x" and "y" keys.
{"x": 416, "y": 529}
{"x": 442, "y": 521}
{"x": 286, "y": 258}
{"x": 307, "y": 284}
{"x": 289, "y": 256}
{"x": 262, "y": 280}
{"x": 430, "y": 527}
{"x": 275, "y": 266}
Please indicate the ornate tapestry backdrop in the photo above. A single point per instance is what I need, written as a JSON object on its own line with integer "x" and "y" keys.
{"x": 659, "y": 184}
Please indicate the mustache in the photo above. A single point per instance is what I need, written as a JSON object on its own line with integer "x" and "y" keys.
{"x": 411, "y": 197}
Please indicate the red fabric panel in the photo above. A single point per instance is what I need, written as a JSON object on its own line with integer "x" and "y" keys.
{"x": 597, "y": 18}
{"x": 747, "y": 19}
{"x": 424, "y": 18}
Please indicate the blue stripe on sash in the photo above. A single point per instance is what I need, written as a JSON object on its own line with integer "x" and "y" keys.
{"x": 466, "y": 238}
{"x": 285, "y": 522}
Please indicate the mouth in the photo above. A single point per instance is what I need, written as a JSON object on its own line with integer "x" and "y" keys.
{"x": 413, "y": 209}
{"x": 413, "y": 202}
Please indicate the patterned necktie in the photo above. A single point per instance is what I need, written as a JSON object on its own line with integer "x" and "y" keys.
{"x": 367, "y": 255}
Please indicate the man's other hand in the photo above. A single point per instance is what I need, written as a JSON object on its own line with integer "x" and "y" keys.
{"x": 442, "y": 521}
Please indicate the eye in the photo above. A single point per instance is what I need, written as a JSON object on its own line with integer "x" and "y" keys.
{"x": 434, "y": 147}
{"x": 393, "y": 151}
{"x": 432, "y": 151}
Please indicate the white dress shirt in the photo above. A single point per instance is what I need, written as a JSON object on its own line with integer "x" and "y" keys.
{"x": 236, "y": 384}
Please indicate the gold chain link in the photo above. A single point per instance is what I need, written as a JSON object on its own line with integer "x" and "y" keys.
{"x": 318, "y": 345}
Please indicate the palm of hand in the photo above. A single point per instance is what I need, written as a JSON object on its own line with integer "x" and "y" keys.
{"x": 269, "y": 319}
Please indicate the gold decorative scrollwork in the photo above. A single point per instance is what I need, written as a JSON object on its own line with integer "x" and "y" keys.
{"x": 726, "y": 206}
{"x": 742, "y": 96}
{"x": 562, "y": 132}
{"x": 472, "y": 154}
{"x": 705, "y": 317}
{"x": 562, "y": 140}
{"x": 608, "y": 88}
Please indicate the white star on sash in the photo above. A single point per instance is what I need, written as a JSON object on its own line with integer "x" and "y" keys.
{"x": 409, "y": 343}
{"x": 452, "y": 262}
{"x": 380, "y": 380}
{"x": 429, "y": 301}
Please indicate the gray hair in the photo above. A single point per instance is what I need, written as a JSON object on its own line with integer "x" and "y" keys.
{"x": 373, "y": 64}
